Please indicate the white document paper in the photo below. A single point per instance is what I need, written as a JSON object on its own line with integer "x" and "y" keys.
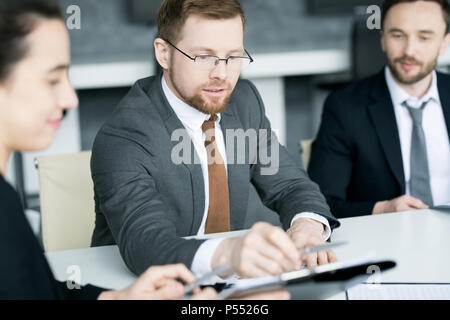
{"x": 399, "y": 292}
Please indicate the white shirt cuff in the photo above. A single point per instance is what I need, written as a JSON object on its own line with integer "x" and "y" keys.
{"x": 203, "y": 258}
{"x": 314, "y": 216}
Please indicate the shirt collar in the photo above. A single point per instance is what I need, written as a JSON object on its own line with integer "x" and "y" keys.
{"x": 189, "y": 116}
{"x": 399, "y": 95}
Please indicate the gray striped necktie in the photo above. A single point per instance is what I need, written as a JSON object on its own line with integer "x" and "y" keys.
{"x": 420, "y": 174}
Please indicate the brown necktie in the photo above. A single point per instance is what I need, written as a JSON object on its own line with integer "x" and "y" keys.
{"x": 218, "y": 219}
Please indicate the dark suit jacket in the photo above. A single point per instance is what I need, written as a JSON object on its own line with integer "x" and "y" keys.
{"x": 356, "y": 158}
{"x": 145, "y": 203}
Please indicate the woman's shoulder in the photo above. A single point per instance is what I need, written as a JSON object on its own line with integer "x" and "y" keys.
{"x": 11, "y": 210}
{"x": 16, "y": 237}
{"x": 9, "y": 199}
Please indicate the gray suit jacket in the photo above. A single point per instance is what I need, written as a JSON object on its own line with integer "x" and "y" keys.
{"x": 145, "y": 203}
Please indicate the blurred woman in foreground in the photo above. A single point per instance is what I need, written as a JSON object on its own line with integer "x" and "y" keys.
{"x": 34, "y": 93}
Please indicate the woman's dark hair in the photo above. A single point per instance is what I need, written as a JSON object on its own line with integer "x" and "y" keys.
{"x": 388, "y": 4}
{"x": 18, "y": 18}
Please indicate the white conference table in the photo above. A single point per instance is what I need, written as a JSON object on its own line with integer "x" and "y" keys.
{"x": 418, "y": 241}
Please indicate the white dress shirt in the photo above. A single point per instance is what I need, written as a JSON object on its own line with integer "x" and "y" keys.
{"x": 192, "y": 120}
{"x": 436, "y": 136}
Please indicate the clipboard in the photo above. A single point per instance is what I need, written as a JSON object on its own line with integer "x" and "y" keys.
{"x": 445, "y": 207}
{"x": 316, "y": 283}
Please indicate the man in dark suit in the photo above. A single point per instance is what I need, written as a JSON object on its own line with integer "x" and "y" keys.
{"x": 383, "y": 145}
{"x": 164, "y": 166}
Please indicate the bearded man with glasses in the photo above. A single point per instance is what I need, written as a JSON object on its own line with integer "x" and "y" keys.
{"x": 146, "y": 202}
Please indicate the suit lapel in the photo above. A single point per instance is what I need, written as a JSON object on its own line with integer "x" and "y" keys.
{"x": 195, "y": 170}
{"x": 444, "y": 95}
{"x": 381, "y": 111}
{"x": 172, "y": 123}
{"x": 238, "y": 174}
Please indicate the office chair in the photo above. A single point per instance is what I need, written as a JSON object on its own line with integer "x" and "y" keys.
{"x": 367, "y": 56}
{"x": 67, "y": 201}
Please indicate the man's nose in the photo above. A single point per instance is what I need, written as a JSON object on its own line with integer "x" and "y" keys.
{"x": 410, "y": 48}
{"x": 220, "y": 70}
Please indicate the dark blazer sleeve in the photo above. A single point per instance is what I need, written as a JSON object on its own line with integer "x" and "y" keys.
{"x": 127, "y": 195}
{"x": 288, "y": 190}
{"x": 332, "y": 159}
{"x": 87, "y": 292}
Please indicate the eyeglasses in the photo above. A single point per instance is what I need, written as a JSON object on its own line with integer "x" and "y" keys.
{"x": 209, "y": 62}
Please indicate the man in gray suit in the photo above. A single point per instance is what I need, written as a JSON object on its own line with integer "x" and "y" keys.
{"x": 151, "y": 189}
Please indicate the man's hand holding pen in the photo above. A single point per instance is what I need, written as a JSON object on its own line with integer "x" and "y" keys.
{"x": 309, "y": 233}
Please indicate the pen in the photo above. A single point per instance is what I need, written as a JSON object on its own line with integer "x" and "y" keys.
{"x": 309, "y": 250}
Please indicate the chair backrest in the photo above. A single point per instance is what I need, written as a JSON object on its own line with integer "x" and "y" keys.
{"x": 67, "y": 201}
{"x": 305, "y": 146}
{"x": 367, "y": 56}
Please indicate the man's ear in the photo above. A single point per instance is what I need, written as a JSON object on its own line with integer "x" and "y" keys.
{"x": 4, "y": 89}
{"x": 445, "y": 44}
{"x": 382, "y": 41}
{"x": 162, "y": 53}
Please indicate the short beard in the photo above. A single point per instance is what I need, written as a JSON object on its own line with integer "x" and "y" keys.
{"x": 208, "y": 108}
{"x": 198, "y": 102}
{"x": 426, "y": 70}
